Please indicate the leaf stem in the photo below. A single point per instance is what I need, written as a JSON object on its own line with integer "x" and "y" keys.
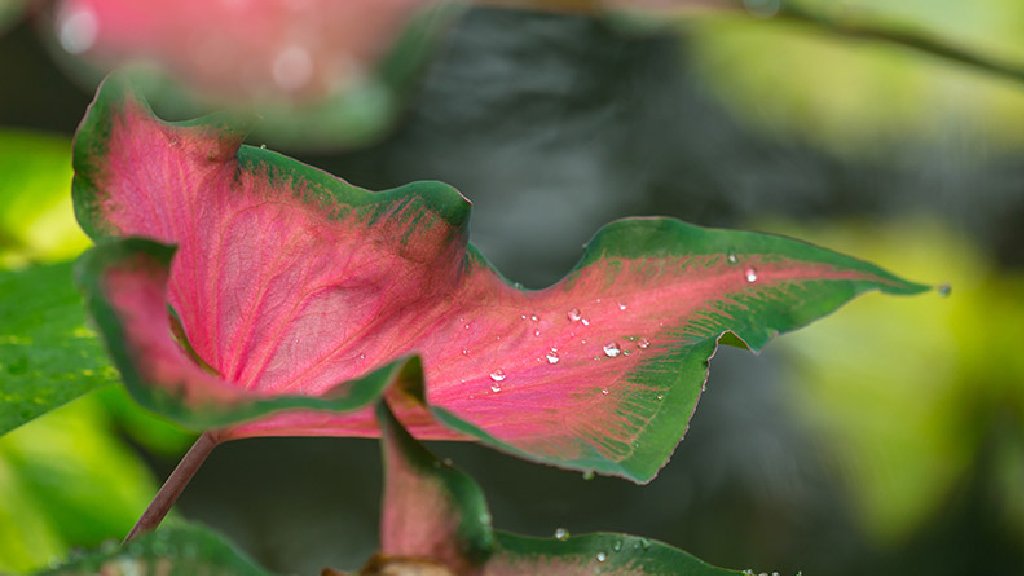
{"x": 174, "y": 485}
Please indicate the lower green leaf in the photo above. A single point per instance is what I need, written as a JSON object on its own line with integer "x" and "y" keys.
{"x": 176, "y": 549}
{"x": 436, "y": 515}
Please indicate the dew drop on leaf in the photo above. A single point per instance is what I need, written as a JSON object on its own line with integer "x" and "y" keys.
{"x": 534, "y": 318}
{"x": 612, "y": 349}
{"x": 575, "y": 315}
{"x": 622, "y": 306}
{"x": 601, "y": 556}
{"x": 643, "y": 344}
{"x": 498, "y": 375}
{"x": 750, "y": 275}
{"x": 588, "y": 474}
{"x": 561, "y": 534}
{"x": 604, "y": 391}
{"x": 731, "y": 257}
{"x": 553, "y": 357}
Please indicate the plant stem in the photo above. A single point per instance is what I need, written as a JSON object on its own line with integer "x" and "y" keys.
{"x": 173, "y": 486}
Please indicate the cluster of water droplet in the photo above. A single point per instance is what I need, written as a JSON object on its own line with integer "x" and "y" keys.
{"x": 552, "y": 356}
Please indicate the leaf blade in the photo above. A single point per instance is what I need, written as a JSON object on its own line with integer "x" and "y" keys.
{"x": 47, "y": 354}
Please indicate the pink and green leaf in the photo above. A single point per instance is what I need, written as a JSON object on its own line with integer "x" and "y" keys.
{"x": 125, "y": 283}
{"x": 310, "y": 74}
{"x": 435, "y": 513}
{"x": 289, "y": 282}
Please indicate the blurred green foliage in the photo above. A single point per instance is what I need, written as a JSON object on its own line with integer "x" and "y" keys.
{"x": 66, "y": 482}
{"x": 912, "y": 395}
{"x": 852, "y": 95}
{"x": 36, "y": 221}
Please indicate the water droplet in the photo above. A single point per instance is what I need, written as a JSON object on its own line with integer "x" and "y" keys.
{"x": 536, "y": 332}
{"x": 77, "y": 29}
{"x": 495, "y": 388}
{"x": 522, "y": 316}
{"x": 465, "y": 326}
{"x": 588, "y": 474}
{"x": 575, "y": 315}
{"x": 645, "y": 543}
{"x": 534, "y": 318}
{"x": 601, "y": 556}
{"x": 292, "y": 68}
{"x": 583, "y": 341}
{"x": 585, "y": 322}
{"x": 362, "y": 355}
{"x": 263, "y": 146}
{"x": 660, "y": 396}
{"x": 618, "y": 545}
{"x": 604, "y": 391}
{"x": 750, "y": 275}
{"x": 612, "y": 350}
{"x": 622, "y": 306}
{"x": 944, "y": 290}
{"x": 498, "y": 376}
{"x": 465, "y": 351}
{"x": 643, "y": 344}
{"x": 731, "y": 257}
{"x": 561, "y": 534}
{"x": 553, "y": 357}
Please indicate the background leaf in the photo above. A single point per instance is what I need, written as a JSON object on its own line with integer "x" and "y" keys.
{"x": 48, "y": 355}
{"x": 66, "y": 482}
{"x": 177, "y": 548}
{"x": 36, "y": 221}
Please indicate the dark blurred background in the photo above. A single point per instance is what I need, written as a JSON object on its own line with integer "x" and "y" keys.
{"x": 887, "y": 439}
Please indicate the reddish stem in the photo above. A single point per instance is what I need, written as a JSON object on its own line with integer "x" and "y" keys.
{"x": 173, "y": 486}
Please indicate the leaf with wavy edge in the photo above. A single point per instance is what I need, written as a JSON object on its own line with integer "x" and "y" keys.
{"x": 436, "y": 515}
{"x": 290, "y": 282}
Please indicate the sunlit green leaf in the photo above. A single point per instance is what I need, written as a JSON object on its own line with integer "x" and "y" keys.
{"x": 48, "y": 355}
{"x": 65, "y": 482}
{"x": 36, "y": 220}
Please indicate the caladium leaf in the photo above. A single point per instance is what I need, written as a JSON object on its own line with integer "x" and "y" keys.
{"x": 434, "y": 514}
{"x": 312, "y": 73}
{"x": 178, "y": 548}
{"x": 290, "y": 282}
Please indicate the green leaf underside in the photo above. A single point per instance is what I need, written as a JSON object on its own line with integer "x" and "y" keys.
{"x": 434, "y": 511}
{"x": 48, "y": 355}
{"x": 176, "y": 549}
{"x": 653, "y": 393}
